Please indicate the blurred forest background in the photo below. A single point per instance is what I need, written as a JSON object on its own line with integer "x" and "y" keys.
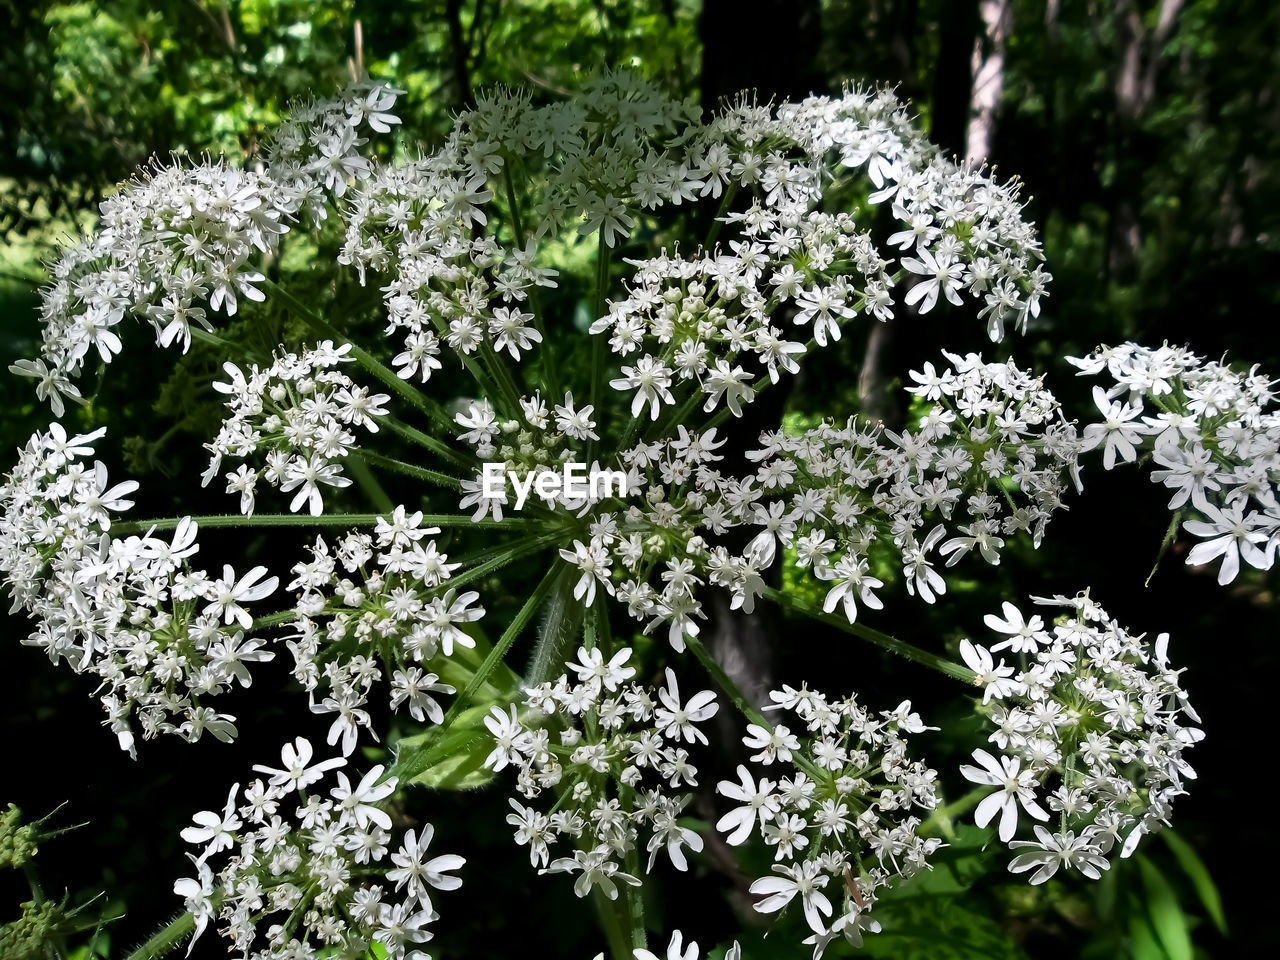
{"x": 1146, "y": 132}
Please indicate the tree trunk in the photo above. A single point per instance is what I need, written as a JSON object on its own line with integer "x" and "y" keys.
{"x": 987, "y": 65}
{"x": 1134, "y": 86}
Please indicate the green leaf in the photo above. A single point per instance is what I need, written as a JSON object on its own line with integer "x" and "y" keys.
{"x": 1144, "y": 942}
{"x": 1167, "y": 919}
{"x": 1199, "y": 876}
{"x": 462, "y": 753}
{"x": 939, "y": 928}
{"x": 560, "y": 625}
{"x": 463, "y": 768}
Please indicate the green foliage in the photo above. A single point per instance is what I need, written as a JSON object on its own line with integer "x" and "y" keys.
{"x": 933, "y": 919}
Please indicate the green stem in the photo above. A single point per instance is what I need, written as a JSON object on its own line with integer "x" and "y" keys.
{"x": 501, "y": 556}
{"x": 201, "y": 335}
{"x": 730, "y": 192}
{"x": 166, "y": 940}
{"x": 274, "y": 619}
{"x": 613, "y": 932}
{"x": 546, "y": 350}
{"x": 412, "y": 470}
{"x": 634, "y": 896}
{"x": 598, "y": 341}
{"x": 306, "y": 520}
{"x": 883, "y": 640}
{"x": 389, "y": 377}
{"x": 501, "y": 376}
{"x": 942, "y": 817}
{"x": 1170, "y": 535}
{"x": 55, "y": 939}
{"x": 365, "y": 479}
{"x": 438, "y": 447}
{"x": 213, "y": 521}
{"x": 739, "y": 700}
{"x": 408, "y": 767}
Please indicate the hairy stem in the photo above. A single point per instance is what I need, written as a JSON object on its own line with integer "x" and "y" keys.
{"x": 438, "y": 447}
{"x": 903, "y": 649}
{"x": 165, "y": 940}
{"x": 412, "y": 470}
{"x": 367, "y": 360}
{"x": 545, "y": 349}
{"x": 598, "y": 341}
{"x": 409, "y": 766}
{"x": 739, "y": 700}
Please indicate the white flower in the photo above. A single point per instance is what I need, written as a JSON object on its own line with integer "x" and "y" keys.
{"x": 594, "y": 562}
{"x": 597, "y": 674}
{"x": 217, "y": 831}
{"x": 306, "y": 475}
{"x": 676, "y": 950}
{"x": 675, "y": 718}
{"x": 1025, "y": 636}
{"x": 651, "y": 379}
{"x": 759, "y": 804}
{"x": 1017, "y": 787}
{"x": 998, "y": 681}
{"x": 853, "y": 582}
{"x": 596, "y": 869}
{"x": 197, "y": 894}
{"x": 574, "y": 422}
{"x": 296, "y": 774}
{"x": 1049, "y": 851}
{"x": 509, "y": 736}
{"x": 774, "y": 745}
{"x": 357, "y": 803}
{"x": 419, "y": 873}
{"x": 96, "y": 498}
{"x": 1233, "y": 535}
{"x": 1120, "y": 429}
{"x": 802, "y": 879}
{"x": 943, "y": 275}
{"x": 228, "y": 595}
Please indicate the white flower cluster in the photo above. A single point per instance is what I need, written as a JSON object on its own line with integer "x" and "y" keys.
{"x": 1091, "y": 723}
{"x": 834, "y": 494}
{"x": 867, "y": 485}
{"x": 613, "y": 753}
{"x": 845, "y": 829}
{"x": 312, "y": 872}
{"x": 602, "y": 162}
{"x": 377, "y": 605}
{"x": 301, "y": 410}
{"x": 695, "y": 317}
{"x": 541, "y": 442}
{"x": 1212, "y": 433}
{"x": 314, "y": 153}
{"x": 179, "y": 242}
{"x": 161, "y": 635}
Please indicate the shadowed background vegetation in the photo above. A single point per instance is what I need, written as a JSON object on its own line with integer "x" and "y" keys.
{"x": 1145, "y": 131}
